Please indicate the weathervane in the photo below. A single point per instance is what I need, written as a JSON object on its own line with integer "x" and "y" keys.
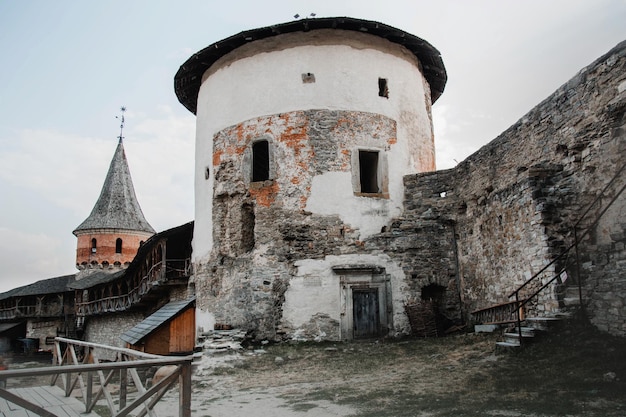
{"x": 123, "y": 109}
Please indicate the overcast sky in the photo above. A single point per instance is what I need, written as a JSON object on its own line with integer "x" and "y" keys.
{"x": 68, "y": 66}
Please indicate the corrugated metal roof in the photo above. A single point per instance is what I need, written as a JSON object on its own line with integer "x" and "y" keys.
{"x": 189, "y": 77}
{"x": 156, "y": 320}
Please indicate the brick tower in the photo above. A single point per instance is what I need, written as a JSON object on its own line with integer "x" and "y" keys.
{"x": 111, "y": 235}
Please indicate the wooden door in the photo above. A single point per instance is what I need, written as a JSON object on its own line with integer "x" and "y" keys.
{"x": 366, "y": 313}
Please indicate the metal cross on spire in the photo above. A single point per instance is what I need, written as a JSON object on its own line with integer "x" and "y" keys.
{"x": 121, "y": 136}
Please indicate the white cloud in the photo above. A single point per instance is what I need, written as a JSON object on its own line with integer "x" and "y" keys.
{"x": 58, "y": 167}
{"x": 59, "y": 177}
{"x": 160, "y": 152}
{"x": 27, "y": 258}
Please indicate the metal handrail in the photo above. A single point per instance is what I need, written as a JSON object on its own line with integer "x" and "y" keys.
{"x": 574, "y": 245}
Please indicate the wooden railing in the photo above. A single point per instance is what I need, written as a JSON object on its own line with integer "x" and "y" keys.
{"x": 170, "y": 269}
{"x": 500, "y": 313}
{"x": 77, "y": 363}
{"x": 31, "y": 310}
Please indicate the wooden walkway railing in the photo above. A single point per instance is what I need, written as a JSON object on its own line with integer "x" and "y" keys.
{"x": 500, "y": 313}
{"x": 81, "y": 365}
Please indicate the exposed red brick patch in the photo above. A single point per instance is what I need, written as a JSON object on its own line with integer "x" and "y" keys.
{"x": 217, "y": 157}
{"x": 266, "y": 195}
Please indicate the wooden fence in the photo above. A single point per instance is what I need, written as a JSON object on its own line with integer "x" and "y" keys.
{"x": 79, "y": 364}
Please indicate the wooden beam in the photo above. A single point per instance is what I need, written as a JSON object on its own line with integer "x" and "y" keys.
{"x": 17, "y": 400}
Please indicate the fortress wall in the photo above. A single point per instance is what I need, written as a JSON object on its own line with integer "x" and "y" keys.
{"x": 514, "y": 202}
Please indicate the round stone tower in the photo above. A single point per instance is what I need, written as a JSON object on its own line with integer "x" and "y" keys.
{"x": 304, "y": 133}
{"x": 111, "y": 235}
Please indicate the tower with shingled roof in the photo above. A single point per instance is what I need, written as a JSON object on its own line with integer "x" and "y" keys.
{"x": 111, "y": 235}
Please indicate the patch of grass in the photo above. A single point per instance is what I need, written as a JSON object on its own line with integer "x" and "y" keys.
{"x": 572, "y": 371}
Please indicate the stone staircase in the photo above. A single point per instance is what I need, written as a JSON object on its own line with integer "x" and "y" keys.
{"x": 532, "y": 327}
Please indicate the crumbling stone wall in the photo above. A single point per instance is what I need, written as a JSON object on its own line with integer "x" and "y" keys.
{"x": 512, "y": 205}
{"x": 478, "y": 231}
{"x": 261, "y": 229}
{"x": 422, "y": 241}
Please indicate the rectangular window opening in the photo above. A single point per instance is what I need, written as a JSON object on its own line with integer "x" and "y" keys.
{"x": 383, "y": 88}
{"x": 368, "y": 171}
{"x": 260, "y": 161}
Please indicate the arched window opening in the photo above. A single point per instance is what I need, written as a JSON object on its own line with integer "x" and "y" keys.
{"x": 93, "y": 245}
{"x": 260, "y": 161}
{"x": 118, "y": 245}
{"x": 435, "y": 293}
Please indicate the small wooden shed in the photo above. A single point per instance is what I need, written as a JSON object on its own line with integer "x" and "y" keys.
{"x": 170, "y": 330}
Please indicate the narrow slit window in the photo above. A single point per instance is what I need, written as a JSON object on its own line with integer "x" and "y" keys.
{"x": 118, "y": 245}
{"x": 368, "y": 171}
{"x": 383, "y": 88}
{"x": 93, "y": 245}
{"x": 247, "y": 227}
{"x": 260, "y": 161}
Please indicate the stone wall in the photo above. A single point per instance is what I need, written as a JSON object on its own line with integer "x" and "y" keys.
{"x": 474, "y": 233}
{"x": 107, "y": 329}
{"x": 42, "y": 329}
{"x": 510, "y": 208}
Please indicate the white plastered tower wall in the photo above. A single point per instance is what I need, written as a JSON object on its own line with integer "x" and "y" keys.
{"x": 264, "y": 78}
{"x": 285, "y": 257}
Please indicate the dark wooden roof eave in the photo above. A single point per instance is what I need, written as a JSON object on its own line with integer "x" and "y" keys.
{"x": 56, "y": 285}
{"x": 189, "y": 76}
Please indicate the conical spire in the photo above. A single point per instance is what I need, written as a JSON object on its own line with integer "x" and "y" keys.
{"x": 117, "y": 207}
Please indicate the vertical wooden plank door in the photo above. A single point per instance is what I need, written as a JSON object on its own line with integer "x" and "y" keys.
{"x": 366, "y": 313}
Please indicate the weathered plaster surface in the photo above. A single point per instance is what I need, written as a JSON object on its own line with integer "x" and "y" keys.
{"x": 346, "y": 68}
{"x": 265, "y": 252}
{"x": 315, "y": 292}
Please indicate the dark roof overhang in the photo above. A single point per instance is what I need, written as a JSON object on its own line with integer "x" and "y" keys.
{"x": 189, "y": 76}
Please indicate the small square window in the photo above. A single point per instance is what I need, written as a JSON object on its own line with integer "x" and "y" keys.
{"x": 383, "y": 88}
{"x": 308, "y": 78}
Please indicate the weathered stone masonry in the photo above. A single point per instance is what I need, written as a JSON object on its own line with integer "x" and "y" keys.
{"x": 512, "y": 205}
{"x": 273, "y": 213}
{"x": 328, "y": 238}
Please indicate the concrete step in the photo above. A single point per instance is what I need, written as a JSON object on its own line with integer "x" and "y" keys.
{"x": 514, "y": 337}
{"x": 571, "y": 301}
{"x": 526, "y": 331}
{"x": 508, "y": 345}
{"x": 542, "y": 323}
{"x": 485, "y": 328}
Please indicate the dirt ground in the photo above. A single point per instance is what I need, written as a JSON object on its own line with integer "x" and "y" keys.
{"x": 574, "y": 371}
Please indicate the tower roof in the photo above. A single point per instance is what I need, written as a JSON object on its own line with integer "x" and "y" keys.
{"x": 117, "y": 207}
{"x": 189, "y": 77}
